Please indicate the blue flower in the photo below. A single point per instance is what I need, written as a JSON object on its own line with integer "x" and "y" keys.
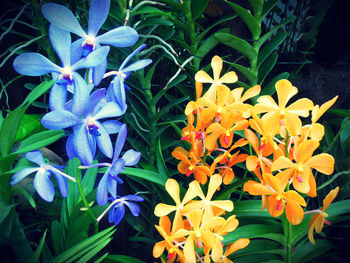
{"x": 63, "y": 18}
{"x": 116, "y": 90}
{"x": 42, "y": 182}
{"x": 87, "y": 128}
{"x": 117, "y": 211}
{"x": 108, "y": 182}
{"x": 66, "y": 77}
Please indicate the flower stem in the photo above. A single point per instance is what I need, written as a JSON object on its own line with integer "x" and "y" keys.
{"x": 86, "y": 204}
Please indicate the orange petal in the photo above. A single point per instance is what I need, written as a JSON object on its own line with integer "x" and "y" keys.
{"x": 305, "y": 150}
{"x": 301, "y": 107}
{"x": 301, "y": 180}
{"x": 255, "y": 188}
{"x": 252, "y": 138}
{"x": 180, "y": 153}
{"x": 182, "y": 167}
{"x": 216, "y": 65}
{"x": 238, "y": 244}
{"x": 294, "y": 196}
{"x": 252, "y": 163}
{"x": 312, "y": 183}
{"x": 285, "y": 91}
{"x": 294, "y": 212}
{"x": 330, "y": 197}
{"x": 323, "y": 163}
{"x": 317, "y": 132}
{"x": 281, "y": 163}
{"x": 293, "y": 124}
{"x": 230, "y": 77}
{"x": 274, "y": 206}
{"x": 199, "y": 89}
{"x": 312, "y": 224}
{"x": 158, "y": 249}
{"x": 321, "y": 110}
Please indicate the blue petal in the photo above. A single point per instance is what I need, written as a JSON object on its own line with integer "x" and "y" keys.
{"x": 116, "y": 168}
{"x": 117, "y": 213}
{"x": 134, "y": 208}
{"x": 135, "y": 198}
{"x": 109, "y": 110}
{"x": 80, "y": 95}
{"x": 104, "y": 142}
{"x": 93, "y": 59}
{"x": 138, "y": 65}
{"x": 119, "y": 144}
{"x": 44, "y": 186}
{"x": 119, "y": 93}
{"x": 34, "y": 64}
{"x": 22, "y": 174}
{"x": 101, "y": 193}
{"x": 112, "y": 126}
{"x": 123, "y": 36}
{"x": 131, "y": 157}
{"x": 35, "y": 157}
{"x": 112, "y": 187}
{"x": 97, "y": 15}
{"x": 63, "y": 18}
{"x": 84, "y": 145}
{"x": 127, "y": 59}
{"x": 69, "y": 147}
{"x": 94, "y": 99}
{"x": 59, "y": 119}
{"x": 61, "y": 42}
{"x": 76, "y": 50}
{"x": 98, "y": 72}
{"x": 58, "y": 97}
{"x": 62, "y": 183}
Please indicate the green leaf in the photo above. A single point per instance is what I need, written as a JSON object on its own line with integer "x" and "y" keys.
{"x": 339, "y": 112}
{"x": 57, "y": 236}
{"x": 268, "y": 7}
{"x": 173, "y": 83}
{"x": 9, "y": 129}
{"x": 248, "y": 19}
{"x": 92, "y": 252}
{"x": 167, "y": 107}
{"x": 37, "y": 92}
{"x": 309, "y": 252}
{"x": 257, "y": 6}
{"x": 266, "y": 67}
{"x": 36, "y": 255}
{"x": 271, "y": 46}
{"x": 5, "y": 210}
{"x": 245, "y": 71}
{"x": 146, "y": 175}
{"x": 269, "y": 89}
{"x": 89, "y": 179}
{"x": 39, "y": 140}
{"x": 154, "y": 21}
{"x": 122, "y": 259}
{"x": 273, "y": 30}
{"x": 198, "y": 7}
{"x": 238, "y": 44}
{"x": 29, "y": 124}
{"x": 25, "y": 194}
{"x": 163, "y": 171}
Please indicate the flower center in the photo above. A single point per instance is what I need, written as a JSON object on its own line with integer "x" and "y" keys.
{"x": 65, "y": 78}
{"x": 89, "y": 45}
{"x": 93, "y": 127}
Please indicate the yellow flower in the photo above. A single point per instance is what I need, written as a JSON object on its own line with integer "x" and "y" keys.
{"x": 238, "y": 244}
{"x": 317, "y": 220}
{"x": 202, "y": 76}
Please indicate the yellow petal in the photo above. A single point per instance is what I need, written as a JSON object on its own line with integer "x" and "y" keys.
{"x": 273, "y": 182}
{"x": 226, "y": 205}
{"x": 252, "y": 163}
{"x": 230, "y": 225}
{"x": 163, "y": 209}
{"x": 217, "y": 252}
{"x": 214, "y": 183}
{"x": 301, "y": 107}
{"x": 293, "y": 124}
{"x": 189, "y": 249}
{"x": 203, "y": 77}
{"x": 222, "y": 93}
{"x": 238, "y": 244}
{"x": 294, "y": 196}
{"x": 317, "y": 132}
{"x": 230, "y": 77}
{"x": 199, "y": 89}
{"x": 250, "y": 93}
{"x": 323, "y": 163}
{"x": 237, "y": 93}
{"x": 216, "y": 65}
{"x": 190, "y": 107}
{"x": 285, "y": 90}
{"x": 158, "y": 249}
{"x": 294, "y": 212}
{"x": 281, "y": 163}
{"x": 194, "y": 185}
{"x": 330, "y": 197}
{"x": 173, "y": 189}
{"x": 312, "y": 227}
{"x": 324, "y": 107}
{"x": 305, "y": 150}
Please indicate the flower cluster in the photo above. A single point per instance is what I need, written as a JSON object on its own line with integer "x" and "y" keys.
{"x": 196, "y": 224}
{"x": 220, "y": 124}
{"x": 86, "y": 111}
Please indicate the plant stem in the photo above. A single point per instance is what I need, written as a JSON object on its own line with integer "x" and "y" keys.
{"x": 86, "y": 204}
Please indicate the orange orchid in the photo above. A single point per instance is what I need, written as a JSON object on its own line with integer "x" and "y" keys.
{"x": 216, "y": 65}
{"x": 193, "y": 106}
{"x": 191, "y": 164}
{"x": 280, "y": 115}
{"x": 237, "y": 97}
{"x": 300, "y": 172}
{"x": 317, "y": 220}
{"x": 194, "y": 136}
{"x": 238, "y": 244}
{"x": 277, "y": 198}
{"x": 211, "y": 208}
{"x": 172, "y": 187}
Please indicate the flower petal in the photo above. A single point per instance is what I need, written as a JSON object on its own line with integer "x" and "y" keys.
{"x": 112, "y": 186}
{"x": 109, "y": 110}
{"x": 119, "y": 144}
{"x": 214, "y": 183}
{"x": 22, "y": 174}
{"x": 229, "y": 77}
{"x": 62, "y": 17}
{"x": 62, "y": 183}
{"x": 117, "y": 213}
{"x": 76, "y": 50}
{"x": 173, "y": 189}
{"x": 104, "y": 142}
{"x": 61, "y": 42}
{"x": 58, "y": 97}
{"x": 163, "y": 209}
{"x": 122, "y": 36}
{"x": 98, "y": 72}
{"x": 255, "y": 188}
{"x": 138, "y": 65}
{"x": 43, "y": 185}
{"x": 323, "y": 163}
{"x": 94, "y": 99}
{"x": 112, "y": 126}
{"x": 95, "y": 58}
{"x": 202, "y": 76}
{"x": 131, "y": 157}
{"x": 216, "y": 65}
{"x": 97, "y": 15}
{"x": 285, "y": 90}
{"x": 69, "y": 147}
{"x": 239, "y": 244}
{"x": 101, "y": 193}
{"x": 330, "y": 198}
{"x": 84, "y": 145}
{"x": 59, "y": 119}
{"x": 35, "y": 157}
{"x": 134, "y": 208}
{"x": 34, "y": 64}
{"x": 80, "y": 95}
{"x": 294, "y": 212}
{"x": 301, "y": 107}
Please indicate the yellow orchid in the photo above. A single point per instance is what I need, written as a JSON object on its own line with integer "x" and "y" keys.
{"x": 172, "y": 187}
{"x": 238, "y": 244}
{"x": 300, "y": 172}
{"x": 209, "y": 206}
{"x": 317, "y": 220}
{"x": 216, "y": 65}
{"x": 237, "y": 97}
{"x": 281, "y": 115}
{"x": 277, "y": 198}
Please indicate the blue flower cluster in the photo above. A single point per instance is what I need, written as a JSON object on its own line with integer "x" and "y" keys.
{"x": 89, "y": 112}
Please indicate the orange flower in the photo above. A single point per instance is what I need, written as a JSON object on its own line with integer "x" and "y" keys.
{"x": 237, "y": 97}
{"x": 317, "y": 220}
{"x": 303, "y": 179}
{"x": 216, "y": 65}
{"x": 238, "y": 244}
{"x": 277, "y": 198}
{"x": 280, "y": 115}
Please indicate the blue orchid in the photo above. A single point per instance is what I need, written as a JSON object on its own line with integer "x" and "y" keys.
{"x": 87, "y": 128}
{"x": 42, "y": 182}
{"x": 116, "y": 89}
{"x": 117, "y": 208}
{"x": 66, "y": 77}
{"x": 63, "y": 18}
{"x": 108, "y": 182}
